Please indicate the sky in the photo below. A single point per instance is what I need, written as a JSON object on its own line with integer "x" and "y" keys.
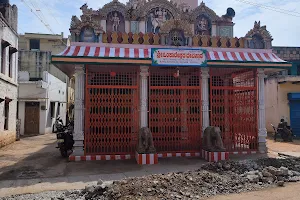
{"x": 283, "y": 24}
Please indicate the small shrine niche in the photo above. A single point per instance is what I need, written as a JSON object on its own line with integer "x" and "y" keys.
{"x": 257, "y": 42}
{"x": 87, "y": 35}
{"x": 115, "y": 22}
{"x": 176, "y": 38}
{"x": 203, "y": 25}
{"x": 259, "y": 37}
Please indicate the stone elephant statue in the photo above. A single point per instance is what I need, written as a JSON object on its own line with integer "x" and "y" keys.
{"x": 145, "y": 141}
{"x": 212, "y": 140}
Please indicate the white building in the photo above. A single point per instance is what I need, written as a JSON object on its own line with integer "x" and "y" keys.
{"x": 8, "y": 72}
{"x": 40, "y": 102}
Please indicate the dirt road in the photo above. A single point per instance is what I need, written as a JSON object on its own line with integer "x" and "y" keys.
{"x": 290, "y": 192}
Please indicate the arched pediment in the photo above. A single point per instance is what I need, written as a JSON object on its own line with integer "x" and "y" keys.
{"x": 77, "y": 25}
{"x": 204, "y": 10}
{"x": 113, "y": 6}
{"x": 145, "y": 9}
{"x": 259, "y": 31}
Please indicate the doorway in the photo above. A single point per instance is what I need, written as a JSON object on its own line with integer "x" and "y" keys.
{"x": 32, "y": 118}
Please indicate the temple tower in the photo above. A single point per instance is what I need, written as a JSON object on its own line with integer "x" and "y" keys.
{"x": 192, "y": 3}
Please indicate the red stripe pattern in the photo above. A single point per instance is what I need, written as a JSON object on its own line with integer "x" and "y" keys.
{"x": 146, "y": 159}
{"x": 187, "y": 154}
{"x": 100, "y": 157}
{"x": 118, "y": 52}
{"x": 215, "y": 156}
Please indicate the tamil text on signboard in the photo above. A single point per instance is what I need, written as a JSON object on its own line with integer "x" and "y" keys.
{"x": 179, "y": 57}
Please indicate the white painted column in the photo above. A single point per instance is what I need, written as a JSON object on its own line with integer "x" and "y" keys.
{"x": 79, "y": 111}
{"x": 262, "y": 131}
{"x": 142, "y": 26}
{"x": 144, "y": 73}
{"x": 127, "y": 26}
{"x": 205, "y": 98}
{"x": 214, "y": 30}
{"x": 103, "y": 24}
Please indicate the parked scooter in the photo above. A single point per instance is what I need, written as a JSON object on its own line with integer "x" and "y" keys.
{"x": 65, "y": 140}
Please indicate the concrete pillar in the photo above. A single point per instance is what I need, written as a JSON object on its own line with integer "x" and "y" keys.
{"x": 103, "y": 24}
{"x": 144, "y": 73}
{"x": 142, "y": 26}
{"x": 205, "y": 98}
{"x": 214, "y": 30}
{"x": 134, "y": 26}
{"x": 262, "y": 131}
{"x": 79, "y": 110}
{"x": 127, "y": 26}
{"x": 100, "y": 37}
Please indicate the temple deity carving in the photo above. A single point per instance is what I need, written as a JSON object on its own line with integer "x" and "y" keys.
{"x": 156, "y": 18}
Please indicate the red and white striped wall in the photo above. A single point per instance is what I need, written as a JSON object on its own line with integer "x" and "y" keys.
{"x": 241, "y": 55}
{"x": 215, "y": 156}
{"x": 243, "y": 152}
{"x": 146, "y": 159}
{"x": 169, "y": 155}
{"x": 100, "y": 157}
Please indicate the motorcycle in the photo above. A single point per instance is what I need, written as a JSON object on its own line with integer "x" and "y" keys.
{"x": 58, "y": 126}
{"x": 280, "y": 131}
{"x": 65, "y": 140}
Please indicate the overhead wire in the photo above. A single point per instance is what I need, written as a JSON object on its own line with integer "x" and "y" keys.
{"x": 40, "y": 18}
{"x": 279, "y": 10}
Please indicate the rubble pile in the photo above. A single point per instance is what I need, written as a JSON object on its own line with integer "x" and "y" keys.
{"x": 187, "y": 185}
{"x": 211, "y": 179}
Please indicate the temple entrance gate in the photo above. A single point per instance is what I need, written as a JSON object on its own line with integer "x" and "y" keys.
{"x": 234, "y": 107}
{"x": 175, "y": 117}
{"x": 111, "y": 116}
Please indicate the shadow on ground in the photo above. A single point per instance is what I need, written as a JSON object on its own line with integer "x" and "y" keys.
{"x": 24, "y": 164}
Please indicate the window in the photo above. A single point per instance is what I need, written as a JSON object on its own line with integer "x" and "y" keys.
{"x": 12, "y": 50}
{"x": 298, "y": 70}
{"x": 52, "y": 109}
{"x": 10, "y": 64}
{"x": 6, "y": 114}
{"x": 2, "y": 58}
{"x": 34, "y": 44}
{"x": 58, "y": 109}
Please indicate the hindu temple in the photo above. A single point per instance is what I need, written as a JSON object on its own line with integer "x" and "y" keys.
{"x": 172, "y": 66}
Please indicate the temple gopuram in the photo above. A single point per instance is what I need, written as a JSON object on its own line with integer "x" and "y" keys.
{"x": 173, "y": 68}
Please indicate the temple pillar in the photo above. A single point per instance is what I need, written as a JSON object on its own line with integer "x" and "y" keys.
{"x": 214, "y": 30}
{"x": 134, "y": 26}
{"x": 79, "y": 111}
{"x": 262, "y": 131}
{"x": 144, "y": 73}
{"x": 127, "y": 26}
{"x": 205, "y": 98}
{"x": 103, "y": 24}
{"x": 142, "y": 26}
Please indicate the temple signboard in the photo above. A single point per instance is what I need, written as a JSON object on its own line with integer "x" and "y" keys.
{"x": 178, "y": 57}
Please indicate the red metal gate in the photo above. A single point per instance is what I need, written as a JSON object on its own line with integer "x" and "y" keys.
{"x": 111, "y": 116}
{"x": 175, "y": 117}
{"x": 233, "y": 103}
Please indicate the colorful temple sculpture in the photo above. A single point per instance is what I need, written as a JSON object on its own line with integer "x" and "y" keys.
{"x": 173, "y": 69}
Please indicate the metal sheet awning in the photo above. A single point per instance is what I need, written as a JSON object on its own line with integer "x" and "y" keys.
{"x": 247, "y": 55}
